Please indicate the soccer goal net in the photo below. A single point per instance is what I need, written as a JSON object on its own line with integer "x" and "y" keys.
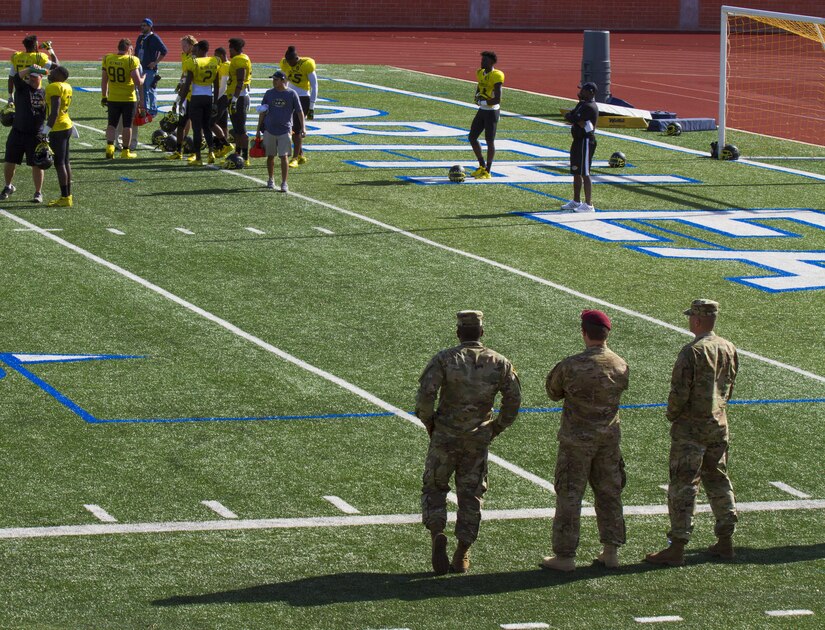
{"x": 772, "y": 75}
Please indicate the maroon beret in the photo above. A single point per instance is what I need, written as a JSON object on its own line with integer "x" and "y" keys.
{"x": 596, "y": 317}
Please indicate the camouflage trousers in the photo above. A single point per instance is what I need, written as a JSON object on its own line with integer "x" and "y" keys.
{"x": 601, "y": 465}
{"x": 467, "y": 459}
{"x": 691, "y": 461}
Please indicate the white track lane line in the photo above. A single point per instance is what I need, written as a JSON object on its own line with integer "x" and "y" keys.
{"x": 342, "y": 505}
{"x": 359, "y": 520}
{"x": 790, "y": 490}
{"x": 102, "y": 515}
{"x": 220, "y": 509}
{"x": 661, "y": 619}
{"x": 788, "y": 613}
{"x": 350, "y": 387}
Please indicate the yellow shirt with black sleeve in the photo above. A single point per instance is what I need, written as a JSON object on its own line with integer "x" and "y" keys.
{"x": 486, "y": 83}
{"x": 119, "y": 70}
{"x": 204, "y": 70}
{"x": 238, "y": 61}
{"x": 223, "y": 77}
{"x": 63, "y": 91}
{"x": 23, "y": 59}
{"x": 298, "y": 75}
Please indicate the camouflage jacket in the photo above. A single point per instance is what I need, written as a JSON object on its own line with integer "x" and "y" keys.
{"x": 591, "y": 384}
{"x": 702, "y": 382}
{"x": 468, "y": 378}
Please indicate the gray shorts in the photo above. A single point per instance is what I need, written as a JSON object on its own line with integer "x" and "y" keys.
{"x": 277, "y": 145}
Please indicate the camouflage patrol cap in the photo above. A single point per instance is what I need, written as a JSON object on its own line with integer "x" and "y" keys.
{"x": 703, "y": 308}
{"x": 469, "y": 318}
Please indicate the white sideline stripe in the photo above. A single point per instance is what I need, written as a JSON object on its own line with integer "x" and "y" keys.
{"x": 664, "y": 487}
{"x": 788, "y": 613}
{"x": 84, "y": 144}
{"x": 360, "y": 519}
{"x": 661, "y": 619}
{"x": 116, "y": 231}
{"x": 323, "y": 230}
{"x": 789, "y": 489}
{"x": 350, "y": 387}
{"x": 342, "y": 505}
{"x": 184, "y": 231}
{"x": 530, "y": 625}
{"x": 99, "y": 513}
{"x": 220, "y": 509}
{"x": 44, "y": 229}
{"x": 452, "y": 497}
{"x": 254, "y": 230}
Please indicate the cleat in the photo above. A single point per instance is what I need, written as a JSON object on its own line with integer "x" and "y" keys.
{"x": 293, "y": 163}
{"x": 270, "y": 184}
{"x": 38, "y": 197}
{"x": 126, "y": 154}
{"x": 284, "y": 188}
{"x": 224, "y": 151}
{"x": 175, "y": 156}
{"x": 558, "y": 563}
{"x": 62, "y": 202}
{"x": 247, "y": 163}
{"x": 479, "y": 171}
{"x": 8, "y": 191}
{"x": 584, "y": 207}
{"x": 570, "y": 205}
{"x": 302, "y": 159}
{"x": 110, "y": 152}
{"x": 210, "y": 159}
{"x": 441, "y": 563}
{"x": 484, "y": 175}
{"x": 194, "y": 161}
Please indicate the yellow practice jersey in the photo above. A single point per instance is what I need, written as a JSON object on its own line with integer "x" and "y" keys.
{"x": 238, "y": 61}
{"x": 204, "y": 70}
{"x": 23, "y": 59}
{"x": 223, "y": 77}
{"x": 63, "y": 91}
{"x": 487, "y": 81}
{"x": 119, "y": 70}
{"x": 298, "y": 75}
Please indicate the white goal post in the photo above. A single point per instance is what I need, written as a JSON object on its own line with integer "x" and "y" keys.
{"x": 771, "y": 69}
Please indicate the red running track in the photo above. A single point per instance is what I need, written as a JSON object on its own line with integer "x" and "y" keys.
{"x": 656, "y": 71}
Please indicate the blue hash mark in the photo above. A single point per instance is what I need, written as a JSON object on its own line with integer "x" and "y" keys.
{"x": 126, "y": 179}
{"x": 17, "y": 361}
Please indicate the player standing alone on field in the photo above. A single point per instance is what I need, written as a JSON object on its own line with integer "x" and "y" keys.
{"x": 300, "y": 72}
{"x": 583, "y": 118}
{"x": 59, "y": 130}
{"x": 488, "y": 99}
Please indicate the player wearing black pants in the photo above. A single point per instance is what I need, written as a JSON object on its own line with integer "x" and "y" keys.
{"x": 583, "y": 118}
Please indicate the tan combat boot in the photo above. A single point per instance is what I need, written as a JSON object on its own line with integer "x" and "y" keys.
{"x": 673, "y": 556}
{"x": 723, "y": 548}
{"x": 441, "y": 563}
{"x": 559, "y": 563}
{"x": 461, "y": 558}
{"x": 609, "y": 557}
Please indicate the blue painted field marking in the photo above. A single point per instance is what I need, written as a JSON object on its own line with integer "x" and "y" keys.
{"x": 16, "y": 361}
{"x": 127, "y": 179}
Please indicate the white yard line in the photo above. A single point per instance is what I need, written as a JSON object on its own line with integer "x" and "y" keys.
{"x": 359, "y": 520}
{"x": 452, "y": 498}
{"x": 662, "y": 619}
{"x": 788, "y": 613}
{"x": 44, "y": 229}
{"x": 254, "y": 230}
{"x": 102, "y": 515}
{"x": 220, "y": 509}
{"x": 184, "y": 231}
{"x": 323, "y": 230}
{"x": 790, "y": 490}
{"x": 342, "y": 505}
{"x": 116, "y": 231}
{"x": 530, "y": 625}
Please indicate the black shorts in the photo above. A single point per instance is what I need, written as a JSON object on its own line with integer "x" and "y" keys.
{"x": 126, "y": 111}
{"x": 239, "y": 117}
{"x": 296, "y": 118}
{"x": 222, "y": 115}
{"x": 485, "y": 120}
{"x": 20, "y": 144}
{"x": 581, "y": 155}
{"x": 59, "y": 142}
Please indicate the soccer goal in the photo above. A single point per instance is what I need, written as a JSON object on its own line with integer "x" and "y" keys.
{"x": 772, "y": 75}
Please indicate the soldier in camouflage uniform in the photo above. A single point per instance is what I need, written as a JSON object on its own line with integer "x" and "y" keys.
{"x": 701, "y": 385}
{"x": 591, "y": 384}
{"x": 468, "y": 377}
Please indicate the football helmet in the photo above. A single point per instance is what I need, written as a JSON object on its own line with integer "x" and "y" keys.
{"x": 234, "y": 162}
{"x": 617, "y": 160}
{"x": 43, "y": 156}
{"x": 457, "y": 174}
{"x": 169, "y": 122}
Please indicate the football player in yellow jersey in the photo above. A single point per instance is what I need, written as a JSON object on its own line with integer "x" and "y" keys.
{"x": 187, "y": 45}
{"x": 220, "y": 112}
{"x": 31, "y": 56}
{"x": 237, "y": 88}
{"x": 120, "y": 87}
{"x": 488, "y": 99}
{"x": 300, "y": 72}
{"x": 59, "y": 130}
{"x": 202, "y": 79}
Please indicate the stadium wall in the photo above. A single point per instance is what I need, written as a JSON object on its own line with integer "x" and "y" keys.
{"x": 634, "y": 15}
